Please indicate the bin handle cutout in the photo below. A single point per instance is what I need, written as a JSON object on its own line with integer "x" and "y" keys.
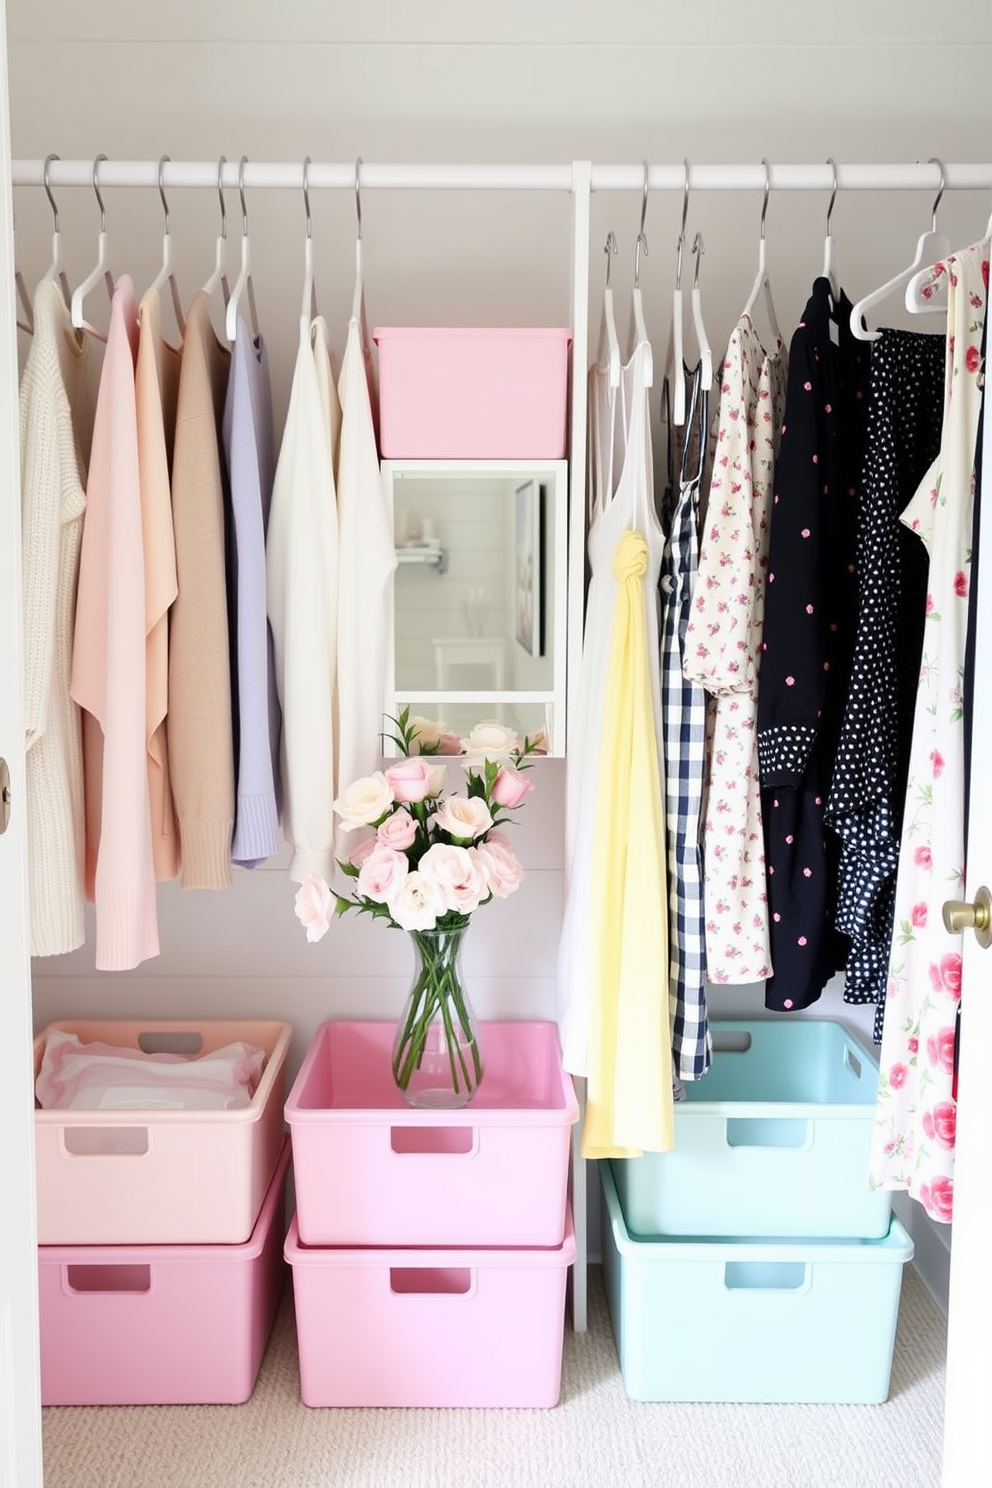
{"x": 766, "y": 1276}
{"x": 170, "y": 1041}
{"x": 852, "y": 1061}
{"x": 446, "y": 1141}
{"x": 769, "y": 1131}
{"x": 431, "y": 1281}
{"x": 731, "y": 1040}
{"x": 105, "y": 1141}
{"x": 82, "y": 1279}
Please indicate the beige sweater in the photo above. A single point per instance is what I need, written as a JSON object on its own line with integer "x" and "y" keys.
{"x": 56, "y": 411}
{"x": 200, "y": 740}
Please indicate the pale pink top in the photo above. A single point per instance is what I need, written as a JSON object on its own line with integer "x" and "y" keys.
{"x": 108, "y": 664}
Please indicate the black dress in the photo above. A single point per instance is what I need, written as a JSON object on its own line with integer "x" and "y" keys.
{"x": 808, "y": 641}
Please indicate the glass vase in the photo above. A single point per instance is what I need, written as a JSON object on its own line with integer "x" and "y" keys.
{"x": 437, "y": 1054}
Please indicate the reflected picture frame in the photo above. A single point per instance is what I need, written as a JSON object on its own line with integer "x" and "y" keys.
{"x": 528, "y": 581}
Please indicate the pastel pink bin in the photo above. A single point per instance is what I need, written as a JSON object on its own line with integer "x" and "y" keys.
{"x": 457, "y": 392}
{"x": 161, "y": 1324}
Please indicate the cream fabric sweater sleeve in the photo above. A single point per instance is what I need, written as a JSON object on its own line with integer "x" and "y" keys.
{"x": 301, "y": 584}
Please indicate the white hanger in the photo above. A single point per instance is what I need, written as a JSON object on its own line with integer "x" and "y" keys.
{"x": 244, "y": 280}
{"x": 24, "y": 299}
{"x": 762, "y": 282}
{"x": 100, "y": 270}
{"x": 675, "y": 358}
{"x": 55, "y": 269}
{"x": 829, "y": 256}
{"x": 358, "y": 298}
{"x": 923, "y": 294}
{"x": 931, "y": 248}
{"x": 609, "y": 342}
{"x": 309, "y": 310}
{"x": 640, "y": 335}
{"x": 166, "y": 274}
{"x": 219, "y": 275}
{"x": 705, "y": 354}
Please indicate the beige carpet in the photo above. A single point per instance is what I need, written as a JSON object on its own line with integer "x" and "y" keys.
{"x": 596, "y": 1438}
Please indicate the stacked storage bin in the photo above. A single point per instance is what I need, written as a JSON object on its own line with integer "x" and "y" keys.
{"x": 161, "y": 1232}
{"x": 430, "y": 1248}
{"x": 754, "y": 1262}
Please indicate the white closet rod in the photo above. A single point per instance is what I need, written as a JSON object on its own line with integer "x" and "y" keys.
{"x": 261, "y": 174}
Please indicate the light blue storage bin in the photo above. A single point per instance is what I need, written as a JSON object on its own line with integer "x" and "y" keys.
{"x": 774, "y": 1140}
{"x": 793, "y": 1321}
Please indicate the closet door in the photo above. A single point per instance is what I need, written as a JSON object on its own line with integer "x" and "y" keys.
{"x": 969, "y": 1324}
{"x": 20, "y": 1391}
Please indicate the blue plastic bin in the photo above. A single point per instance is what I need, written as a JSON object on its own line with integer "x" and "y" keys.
{"x": 774, "y": 1140}
{"x": 786, "y": 1321}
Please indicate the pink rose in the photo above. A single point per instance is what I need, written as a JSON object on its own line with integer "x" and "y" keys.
{"x": 463, "y": 817}
{"x": 398, "y": 831}
{"x": 411, "y": 779}
{"x": 459, "y": 875}
{"x": 922, "y": 858}
{"x": 950, "y": 973}
{"x": 505, "y": 872}
{"x": 358, "y": 854}
{"x": 944, "y": 1123}
{"x": 927, "y": 1125}
{"x": 314, "y": 905}
{"x": 417, "y": 903}
{"x": 940, "y": 1049}
{"x": 913, "y": 1044}
{"x": 972, "y": 359}
{"x": 381, "y": 875}
{"x": 918, "y": 916}
{"x": 450, "y": 744}
{"x": 510, "y": 788}
{"x": 937, "y": 1198}
{"x": 961, "y": 585}
{"x": 897, "y": 1076}
{"x": 937, "y": 760}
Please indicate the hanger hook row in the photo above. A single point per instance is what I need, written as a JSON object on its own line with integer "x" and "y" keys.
{"x": 241, "y": 190}
{"x": 358, "y": 194}
{"x": 96, "y": 188}
{"x": 698, "y": 248}
{"x": 833, "y": 191}
{"x": 306, "y": 194}
{"x": 48, "y": 188}
{"x": 768, "y": 191}
{"x": 685, "y": 214}
{"x": 642, "y": 237}
{"x": 940, "y": 190}
{"x": 220, "y": 192}
{"x": 609, "y": 249}
{"x": 161, "y": 192}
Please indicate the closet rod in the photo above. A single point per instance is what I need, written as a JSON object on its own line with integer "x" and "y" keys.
{"x": 262, "y": 174}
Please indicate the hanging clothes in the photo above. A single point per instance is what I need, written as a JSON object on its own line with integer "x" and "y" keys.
{"x": 808, "y": 645}
{"x": 868, "y": 789}
{"x": 249, "y": 449}
{"x": 302, "y": 581}
{"x": 913, "y": 1138}
{"x": 683, "y": 709}
{"x": 201, "y": 747}
{"x": 723, "y": 640}
{"x": 108, "y": 663}
{"x": 156, "y": 391}
{"x": 366, "y": 571}
{"x": 56, "y": 427}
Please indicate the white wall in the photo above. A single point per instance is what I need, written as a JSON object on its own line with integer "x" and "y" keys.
{"x": 443, "y": 81}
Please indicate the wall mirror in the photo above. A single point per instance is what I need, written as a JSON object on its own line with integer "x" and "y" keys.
{"x": 479, "y": 594}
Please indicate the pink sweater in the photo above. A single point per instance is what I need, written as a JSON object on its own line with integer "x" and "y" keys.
{"x": 108, "y": 664}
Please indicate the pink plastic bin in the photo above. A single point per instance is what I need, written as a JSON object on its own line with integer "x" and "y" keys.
{"x": 430, "y": 1327}
{"x": 371, "y": 1170}
{"x": 161, "y": 1324}
{"x": 448, "y": 393}
{"x": 174, "y": 1178}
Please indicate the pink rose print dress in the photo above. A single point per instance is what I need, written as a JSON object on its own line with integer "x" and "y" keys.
{"x": 722, "y": 650}
{"x": 913, "y": 1138}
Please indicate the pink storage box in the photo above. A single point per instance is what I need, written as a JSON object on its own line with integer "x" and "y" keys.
{"x": 450, "y": 392}
{"x": 165, "y": 1177}
{"x": 430, "y": 1327}
{"x": 371, "y": 1170}
{"x": 161, "y": 1324}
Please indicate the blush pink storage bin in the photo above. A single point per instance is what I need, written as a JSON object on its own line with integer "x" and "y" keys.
{"x": 161, "y": 1177}
{"x": 430, "y": 1327}
{"x": 371, "y": 1170}
{"x": 453, "y": 392}
{"x": 161, "y": 1324}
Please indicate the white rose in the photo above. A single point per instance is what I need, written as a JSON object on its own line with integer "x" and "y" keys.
{"x": 438, "y": 780}
{"x": 365, "y": 802}
{"x": 417, "y": 904}
{"x": 427, "y": 734}
{"x": 464, "y": 817}
{"x": 490, "y": 740}
{"x": 460, "y": 875}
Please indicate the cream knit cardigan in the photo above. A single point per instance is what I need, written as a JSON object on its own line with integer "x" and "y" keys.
{"x": 56, "y": 422}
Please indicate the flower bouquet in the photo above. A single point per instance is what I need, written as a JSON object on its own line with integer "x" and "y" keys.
{"x": 425, "y": 862}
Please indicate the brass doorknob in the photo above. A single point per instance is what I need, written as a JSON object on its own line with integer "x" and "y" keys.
{"x": 959, "y": 916}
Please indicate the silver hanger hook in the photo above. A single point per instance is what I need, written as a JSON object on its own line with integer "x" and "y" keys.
{"x": 96, "y": 188}
{"x": 610, "y": 249}
{"x": 685, "y": 214}
{"x": 698, "y": 248}
{"x": 161, "y": 191}
{"x": 642, "y": 238}
{"x": 358, "y": 195}
{"x": 940, "y": 191}
{"x": 306, "y": 194}
{"x": 241, "y": 190}
{"x": 768, "y": 190}
{"x": 48, "y": 188}
{"x": 220, "y": 193}
{"x": 833, "y": 192}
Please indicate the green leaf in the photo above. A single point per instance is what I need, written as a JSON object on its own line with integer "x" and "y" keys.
{"x": 348, "y": 869}
{"x": 342, "y": 905}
